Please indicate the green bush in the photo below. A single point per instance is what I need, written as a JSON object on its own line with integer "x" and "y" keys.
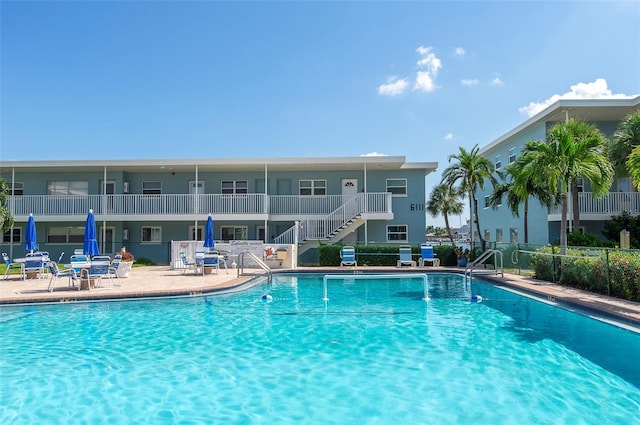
{"x": 606, "y": 271}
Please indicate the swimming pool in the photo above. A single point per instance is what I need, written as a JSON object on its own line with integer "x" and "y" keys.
{"x": 374, "y": 353}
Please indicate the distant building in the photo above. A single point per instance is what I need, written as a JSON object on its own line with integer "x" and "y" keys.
{"x": 544, "y": 225}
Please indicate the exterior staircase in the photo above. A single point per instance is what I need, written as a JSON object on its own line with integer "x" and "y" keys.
{"x": 332, "y": 228}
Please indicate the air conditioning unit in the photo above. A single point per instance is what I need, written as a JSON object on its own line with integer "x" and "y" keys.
{"x": 125, "y": 187}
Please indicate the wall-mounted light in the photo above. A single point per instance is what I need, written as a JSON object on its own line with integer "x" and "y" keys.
{"x": 125, "y": 187}
{"x": 125, "y": 234}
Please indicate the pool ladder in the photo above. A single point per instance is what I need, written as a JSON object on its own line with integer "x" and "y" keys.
{"x": 258, "y": 261}
{"x": 498, "y": 267}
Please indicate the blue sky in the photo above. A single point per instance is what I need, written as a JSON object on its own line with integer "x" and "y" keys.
{"x": 169, "y": 79}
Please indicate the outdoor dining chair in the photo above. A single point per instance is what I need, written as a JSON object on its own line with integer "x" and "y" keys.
{"x": 11, "y": 266}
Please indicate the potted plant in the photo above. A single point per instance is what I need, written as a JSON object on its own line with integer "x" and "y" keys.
{"x": 462, "y": 255}
{"x": 125, "y": 263}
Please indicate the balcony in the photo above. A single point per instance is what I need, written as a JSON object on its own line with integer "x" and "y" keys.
{"x": 136, "y": 207}
{"x": 603, "y": 208}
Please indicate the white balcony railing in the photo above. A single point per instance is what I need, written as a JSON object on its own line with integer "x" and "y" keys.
{"x": 612, "y": 204}
{"x": 185, "y": 204}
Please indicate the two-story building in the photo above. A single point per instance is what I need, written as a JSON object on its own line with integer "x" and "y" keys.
{"x": 499, "y": 225}
{"x": 143, "y": 205}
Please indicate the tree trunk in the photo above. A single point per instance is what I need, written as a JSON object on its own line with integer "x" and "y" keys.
{"x": 475, "y": 213}
{"x": 563, "y": 224}
{"x": 526, "y": 221}
{"x": 446, "y": 223}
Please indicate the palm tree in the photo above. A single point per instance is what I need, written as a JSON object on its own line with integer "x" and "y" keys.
{"x": 6, "y": 219}
{"x": 625, "y": 139}
{"x": 470, "y": 171}
{"x": 633, "y": 165}
{"x": 519, "y": 187}
{"x": 445, "y": 200}
{"x": 573, "y": 149}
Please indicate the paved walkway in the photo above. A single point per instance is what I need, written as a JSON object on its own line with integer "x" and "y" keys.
{"x": 152, "y": 281}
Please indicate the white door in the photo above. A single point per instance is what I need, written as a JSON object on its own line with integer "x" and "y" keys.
{"x": 349, "y": 190}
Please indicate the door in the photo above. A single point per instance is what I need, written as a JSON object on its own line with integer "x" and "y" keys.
{"x": 108, "y": 244}
{"x": 109, "y": 189}
{"x": 349, "y": 190}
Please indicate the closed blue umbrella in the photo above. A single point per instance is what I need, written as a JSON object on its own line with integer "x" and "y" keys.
{"x": 90, "y": 246}
{"x": 30, "y": 236}
{"x": 208, "y": 234}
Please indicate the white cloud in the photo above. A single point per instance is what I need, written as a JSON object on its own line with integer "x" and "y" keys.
{"x": 374, "y": 154}
{"x": 460, "y": 51}
{"x": 393, "y": 87}
{"x": 425, "y": 79}
{"x": 595, "y": 90}
{"x": 448, "y": 136}
{"x": 470, "y": 82}
{"x": 497, "y": 82}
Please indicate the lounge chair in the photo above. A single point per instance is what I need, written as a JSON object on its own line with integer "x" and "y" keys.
{"x": 12, "y": 266}
{"x": 57, "y": 273}
{"x": 405, "y": 257}
{"x": 348, "y": 256}
{"x": 428, "y": 257}
{"x": 34, "y": 264}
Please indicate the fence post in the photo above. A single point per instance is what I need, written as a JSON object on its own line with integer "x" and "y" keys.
{"x": 607, "y": 274}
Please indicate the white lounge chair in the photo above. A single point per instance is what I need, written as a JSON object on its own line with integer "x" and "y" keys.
{"x": 405, "y": 257}
{"x": 57, "y": 273}
{"x": 11, "y": 266}
{"x": 348, "y": 256}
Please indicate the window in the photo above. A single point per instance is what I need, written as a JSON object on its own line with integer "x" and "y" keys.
{"x": 397, "y": 233}
{"x": 152, "y": 188}
{"x": 151, "y": 234}
{"x": 487, "y": 235}
{"x": 487, "y": 202}
{"x": 579, "y": 185}
{"x": 499, "y": 237}
{"x": 78, "y": 188}
{"x": 514, "y": 235}
{"x": 65, "y": 235}
{"x": 18, "y": 188}
{"x": 397, "y": 187}
{"x": 313, "y": 187}
{"x": 196, "y": 235}
{"x": 234, "y": 187}
{"x": 234, "y": 233}
{"x": 512, "y": 155}
{"x": 498, "y": 162}
{"x": 17, "y": 235}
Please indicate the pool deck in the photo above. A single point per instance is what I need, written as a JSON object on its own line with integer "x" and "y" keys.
{"x": 157, "y": 281}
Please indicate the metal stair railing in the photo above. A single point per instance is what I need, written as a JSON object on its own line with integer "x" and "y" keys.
{"x": 258, "y": 261}
{"x": 322, "y": 228}
{"x": 497, "y": 254}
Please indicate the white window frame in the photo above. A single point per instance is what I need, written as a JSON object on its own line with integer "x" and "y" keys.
{"x": 580, "y": 185}
{"x": 499, "y": 235}
{"x": 512, "y": 155}
{"x": 487, "y": 202}
{"x": 397, "y": 186}
{"x": 151, "y": 235}
{"x": 397, "y": 229}
{"x": 513, "y": 235}
{"x": 497, "y": 163}
{"x": 241, "y": 231}
{"x": 69, "y": 234}
{"x": 149, "y": 189}
{"x": 234, "y": 187}
{"x": 312, "y": 187}
{"x": 487, "y": 235}
{"x": 16, "y": 188}
{"x": 195, "y": 237}
{"x": 68, "y": 187}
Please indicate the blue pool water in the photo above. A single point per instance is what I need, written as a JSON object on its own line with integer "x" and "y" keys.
{"x": 374, "y": 353}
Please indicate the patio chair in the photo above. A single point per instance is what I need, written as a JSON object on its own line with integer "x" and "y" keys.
{"x": 113, "y": 267}
{"x": 348, "y": 256}
{"x": 12, "y": 266}
{"x": 57, "y": 273}
{"x": 221, "y": 260}
{"x": 210, "y": 262}
{"x": 34, "y": 266}
{"x": 405, "y": 257}
{"x": 98, "y": 270}
{"x": 79, "y": 262}
{"x": 428, "y": 257}
{"x": 186, "y": 264}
